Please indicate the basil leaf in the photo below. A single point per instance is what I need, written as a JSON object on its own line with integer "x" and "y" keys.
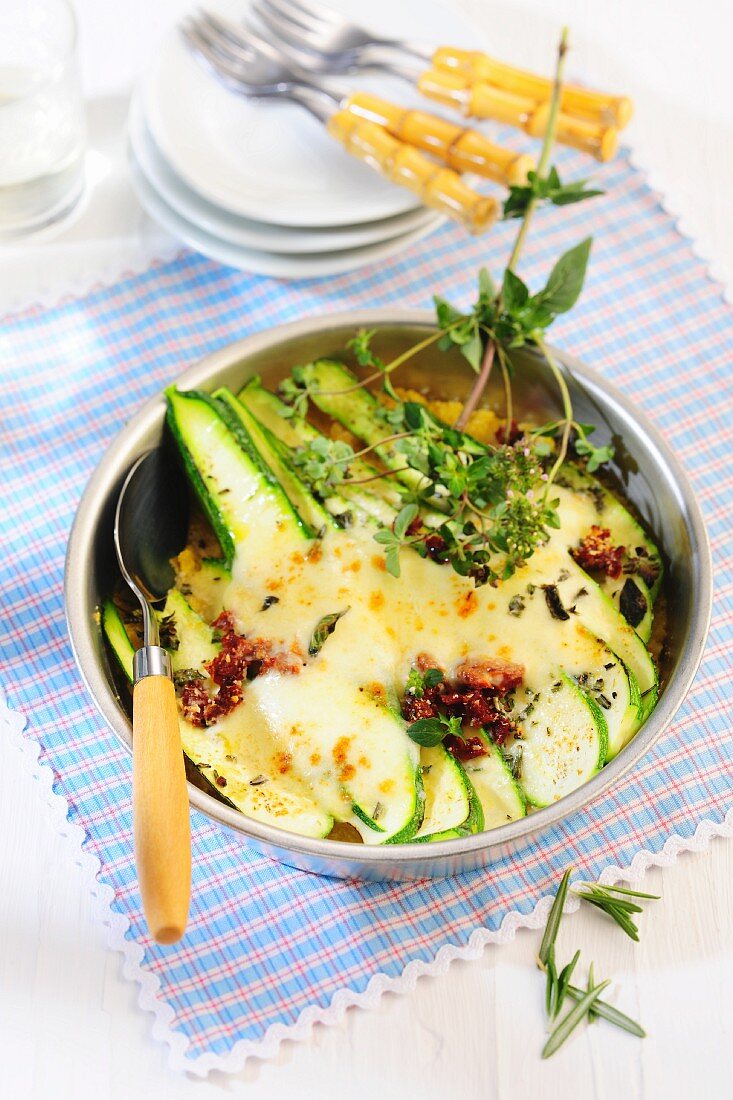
{"x": 515, "y": 292}
{"x": 473, "y": 350}
{"x": 566, "y": 279}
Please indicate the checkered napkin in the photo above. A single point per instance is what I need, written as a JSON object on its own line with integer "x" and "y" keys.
{"x": 269, "y": 946}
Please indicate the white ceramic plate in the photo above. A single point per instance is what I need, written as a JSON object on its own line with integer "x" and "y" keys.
{"x": 276, "y": 264}
{"x": 271, "y": 160}
{"x": 243, "y": 231}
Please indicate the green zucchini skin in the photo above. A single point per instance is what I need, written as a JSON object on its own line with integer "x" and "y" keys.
{"x": 225, "y": 469}
{"x": 448, "y": 785}
{"x": 501, "y": 796}
{"x": 381, "y": 500}
{"x": 276, "y": 457}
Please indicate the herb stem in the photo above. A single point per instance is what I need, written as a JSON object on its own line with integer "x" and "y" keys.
{"x": 547, "y": 143}
{"x": 376, "y": 477}
{"x": 478, "y": 387}
{"x": 389, "y": 367}
{"x": 567, "y": 407}
{"x": 508, "y": 404}
{"x": 372, "y": 447}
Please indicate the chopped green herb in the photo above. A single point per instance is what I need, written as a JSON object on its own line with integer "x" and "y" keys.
{"x": 325, "y": 626}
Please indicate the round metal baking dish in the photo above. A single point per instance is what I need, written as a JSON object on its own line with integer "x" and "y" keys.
{"x": 651, "y": 478}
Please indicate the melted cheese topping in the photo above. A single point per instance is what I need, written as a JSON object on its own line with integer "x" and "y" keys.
{"x": 332, "y": 723}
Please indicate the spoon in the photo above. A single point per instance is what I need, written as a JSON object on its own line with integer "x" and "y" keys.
{"x": 151, "y": 525}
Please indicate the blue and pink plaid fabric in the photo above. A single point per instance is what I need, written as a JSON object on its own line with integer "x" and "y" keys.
{"x": 266, "y": 942}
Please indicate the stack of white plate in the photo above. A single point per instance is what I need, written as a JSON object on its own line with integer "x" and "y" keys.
{"x": 259, "y": 184}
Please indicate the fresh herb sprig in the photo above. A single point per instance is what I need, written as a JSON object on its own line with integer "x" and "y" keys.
{"x": 558, "y": 986}
{"x": 616, "y": 902}
{"x": 429, "y": 732}
{"x": 496, "y": 501}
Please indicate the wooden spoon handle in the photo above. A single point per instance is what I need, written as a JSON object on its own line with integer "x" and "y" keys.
{"x": 160, "y": 809}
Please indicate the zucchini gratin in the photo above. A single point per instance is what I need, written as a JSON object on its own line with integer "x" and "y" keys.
{"x": 357, "y": 656}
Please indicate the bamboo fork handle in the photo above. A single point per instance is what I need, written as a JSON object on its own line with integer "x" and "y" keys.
{"x": 480, "y": 68}
{"x": 461, "y": 149}
{"x": 437, "y": 187}
{"x": 483, "y": 100}
{"x": 160, "y": 809}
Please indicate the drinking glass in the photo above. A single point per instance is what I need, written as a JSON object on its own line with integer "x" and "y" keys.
{"x": 42, "y": 125}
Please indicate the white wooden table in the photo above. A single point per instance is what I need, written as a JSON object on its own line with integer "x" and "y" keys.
{"x": 70, "y": 1028}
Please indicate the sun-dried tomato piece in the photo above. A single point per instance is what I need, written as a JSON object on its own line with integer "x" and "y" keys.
{"x": 413, "y": 708}
{"x": 465, "y": 748}
{"x": 597, "y": 552}
{"x": 493, "y": 673}
{"x": 239, "y": 659}
{"x": 194, "y": 703}
{"x": 514, "y": 434}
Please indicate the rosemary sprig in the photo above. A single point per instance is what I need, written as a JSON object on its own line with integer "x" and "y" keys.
{"x": 554, "y": 918}
{"x": 615, "y": 902}
{"x": 568, "y": 1024}
{"x": 558, "y": 985}
{"x": 606, "y": 1011}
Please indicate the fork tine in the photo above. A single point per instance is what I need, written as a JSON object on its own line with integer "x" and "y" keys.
{"x": 309, "y": 15}
{"x": 246, "y": 43}
{"x": 284, "y": 28}
{"x": 223, "y": 36}
{"x": 222, "y": 68}
{"x": 291, "y": 54}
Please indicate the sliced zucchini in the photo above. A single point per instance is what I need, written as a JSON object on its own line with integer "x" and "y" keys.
{"x": 614, "y": 689}
{"x": 356, "y": 752}
{"x": 116, "y": 634}
{"x": 502, "y": 798}
{"x": 591, "y": 503}
{"x": 277, "y": 457}
{"x": 381, "y": 499}
{"x": 228, "y": 762}
{"x": 452, "y": 807}
{"x": 608, "y": 511}
{"x": 359, "y": 411}
{"x": 246, "y": 506}
{"x": 596, "y": 612}
{"x": 564, "y": 741}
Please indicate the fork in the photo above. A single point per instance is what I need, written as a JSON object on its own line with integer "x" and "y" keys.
{"x": 463, "y": 150}
{"x": 470, "y": 81}
{"x": 251, "y": 67}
